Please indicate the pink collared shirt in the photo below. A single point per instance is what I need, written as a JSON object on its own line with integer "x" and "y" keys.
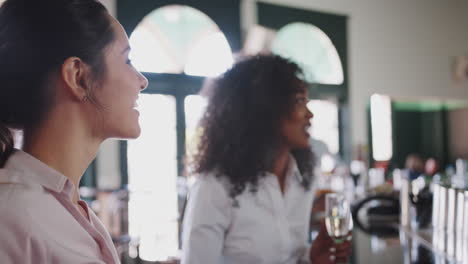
{"x": 40, "y": 224}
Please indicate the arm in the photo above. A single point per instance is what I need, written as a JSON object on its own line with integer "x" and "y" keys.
{"x": 206, "y": 222}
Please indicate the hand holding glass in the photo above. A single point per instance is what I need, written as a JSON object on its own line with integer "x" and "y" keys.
{"x": 338, "y": 217}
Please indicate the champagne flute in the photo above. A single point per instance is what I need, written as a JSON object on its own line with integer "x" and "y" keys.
{"x": 337, "y": 217}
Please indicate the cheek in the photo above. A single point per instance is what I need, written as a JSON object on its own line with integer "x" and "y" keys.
{"x": 289, "y": 130}
{"x": 302, "y": 114}
{"x": 296, "y": 121}
{"x": 113, "y": 109}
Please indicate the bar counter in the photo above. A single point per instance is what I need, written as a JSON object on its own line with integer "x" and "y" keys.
{"x": 402, "y": 246}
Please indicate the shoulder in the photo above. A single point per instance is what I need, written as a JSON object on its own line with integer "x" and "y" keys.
{"x": 210, "y": 189}
{"x": 19, "y": 202}
{"x": 17, "y": 198}
{"x": 211, "y": 182}
{"x": 22, "y": 204}
{"x": 16, "y": 185}
{"x": 17, "y": 221}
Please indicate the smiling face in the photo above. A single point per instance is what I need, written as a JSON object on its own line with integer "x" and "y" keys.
{"x": 118, "y": 90}
{"x": 296, "y": 123}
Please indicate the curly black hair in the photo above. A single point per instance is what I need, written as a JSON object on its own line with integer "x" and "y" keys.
{"x": 241, "y": 126}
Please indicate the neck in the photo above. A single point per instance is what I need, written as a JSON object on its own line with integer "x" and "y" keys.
{"x": 280, "y": 167}
{"x": 64, "y": 146}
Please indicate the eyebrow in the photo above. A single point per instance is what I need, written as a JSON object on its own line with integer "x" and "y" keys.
{"x": 126, "y": 49}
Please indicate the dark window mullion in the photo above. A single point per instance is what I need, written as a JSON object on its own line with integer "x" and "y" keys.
{"x": 123, "y": 145}
{"x": 180, "y": 127}
{"x": 89, "y": 176}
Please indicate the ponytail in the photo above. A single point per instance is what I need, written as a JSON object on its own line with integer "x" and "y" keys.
{"x": 6, "y": 144}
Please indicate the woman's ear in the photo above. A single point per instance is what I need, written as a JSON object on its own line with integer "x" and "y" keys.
{"x": 75, "y": 75}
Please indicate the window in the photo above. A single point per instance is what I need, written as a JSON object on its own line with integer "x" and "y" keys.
{"x": 175, "y": 46}
{"x": 17, "y": 137}
{"x": 311, "y": 48}
{"x": 180, "y": 39}
{"x": 152, "y": 171}
{"x": 325, "y": 123}
{"x": 381, "y": 123}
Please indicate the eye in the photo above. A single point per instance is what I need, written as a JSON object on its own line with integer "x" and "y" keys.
{"x": 301, "y": 100}
{"x": 129, "y": 62}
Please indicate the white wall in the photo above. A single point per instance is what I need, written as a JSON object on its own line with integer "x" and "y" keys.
{"x": 404, "y": 48}
{"x": 400, "y": 48}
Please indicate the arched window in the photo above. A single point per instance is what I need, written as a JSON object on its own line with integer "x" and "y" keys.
{"x": 311, "y": 48}
{"x": 180, "y": 39}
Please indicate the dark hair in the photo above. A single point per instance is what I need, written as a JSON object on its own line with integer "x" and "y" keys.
{"x": 36, "y": 37}
{"x": 241, "y": 126}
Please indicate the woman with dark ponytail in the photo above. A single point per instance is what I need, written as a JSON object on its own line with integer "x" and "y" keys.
{"x": 67, "y": 83}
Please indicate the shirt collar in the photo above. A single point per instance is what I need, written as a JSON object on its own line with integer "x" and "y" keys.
{"x": 292, "y": 172}
{"x": 293, "y": 169}
{"x": 32, "y": 170}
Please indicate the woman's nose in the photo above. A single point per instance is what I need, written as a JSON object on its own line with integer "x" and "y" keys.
{"x": 309, "y": 114}
{"x": 144, "y": 81}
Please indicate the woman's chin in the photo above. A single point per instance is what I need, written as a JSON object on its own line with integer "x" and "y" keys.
{"x": 130, "y": 133}
{"x": 302, "y": 146}
{"x": 135, "y": 134}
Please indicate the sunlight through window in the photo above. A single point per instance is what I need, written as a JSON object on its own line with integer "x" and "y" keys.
{"x": 152, "y": 177}
{"x": 311, "y": 48}
{"x": 148, "y": 54}
{"x": 381, "y": 123}
{"x": 180, "y": 39}
{"x": 325, "y": 123}
{"x": 211, "y": 56}
{"x": 18, "y": 138}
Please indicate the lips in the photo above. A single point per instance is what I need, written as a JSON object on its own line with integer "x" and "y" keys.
{"x": 306, "y": 129}
{"x": 135, "y": 105}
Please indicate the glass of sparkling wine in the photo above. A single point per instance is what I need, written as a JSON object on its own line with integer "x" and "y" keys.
{"x": 337, "y": 217}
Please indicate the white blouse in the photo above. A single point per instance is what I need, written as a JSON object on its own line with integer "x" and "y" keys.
{"x": 266, "y": 227}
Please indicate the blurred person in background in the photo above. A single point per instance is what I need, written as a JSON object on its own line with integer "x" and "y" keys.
{"x": 431, "y": 167}
{"x": 415, "y": 165}
{"x": 252, "y": 198}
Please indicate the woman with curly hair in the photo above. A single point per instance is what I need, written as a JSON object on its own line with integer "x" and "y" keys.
{"x": 252, "y": 199}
